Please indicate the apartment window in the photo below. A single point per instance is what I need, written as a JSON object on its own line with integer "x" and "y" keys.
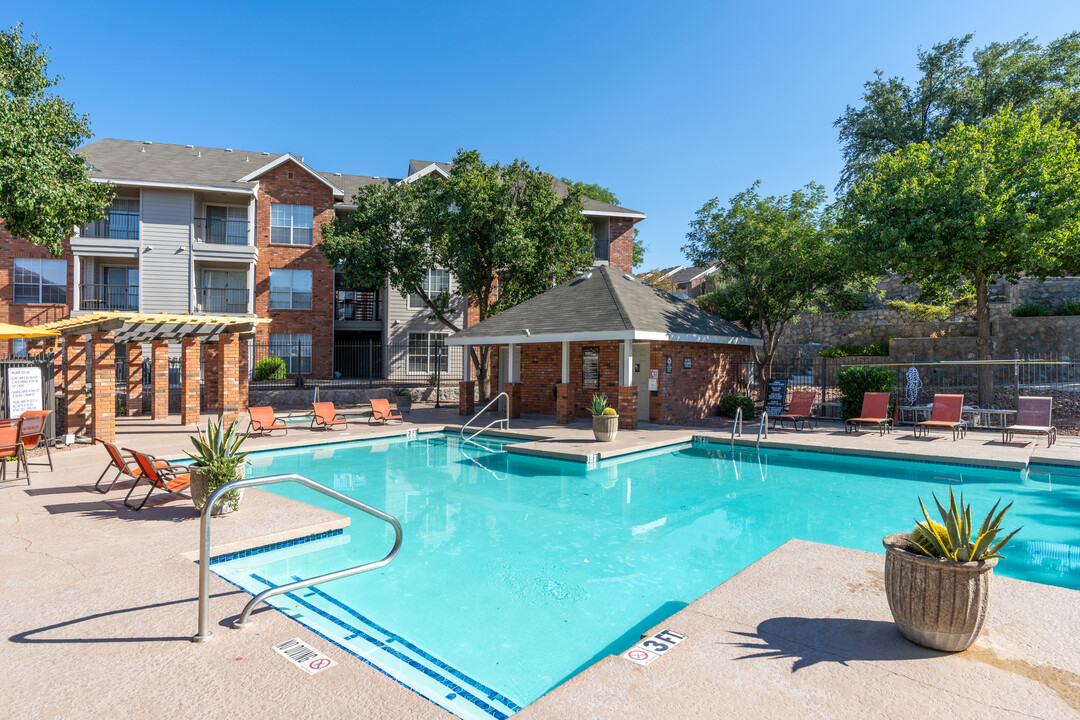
{"x": 40, "y": 281}
{"x": 290, "y": 289}
{"x": 435, "y": 283}
{"x": 223, "y": 291}
{"x": 294, "y": 349}
{"x": 290, "y": 224}
{"x": 225, "y": 225}
{"x": 426, "y": 351}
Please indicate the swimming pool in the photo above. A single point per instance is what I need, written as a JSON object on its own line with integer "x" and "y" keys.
{"x": 517, "y": 572}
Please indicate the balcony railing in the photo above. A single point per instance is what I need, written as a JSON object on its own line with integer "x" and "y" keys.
{"x": 221, "y": 231}
{"x": 362, "y": 305}
{"x": 116, "y": 225}
{"x": 227, "y": 301}
{"x": 108, "y": 297}
{"x": 601, "y": 249}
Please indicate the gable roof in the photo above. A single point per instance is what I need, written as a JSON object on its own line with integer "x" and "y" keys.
{"x": 255, "y": 174}
{"x": 690, "y": 274}
{"x": 604, "y": 304}
{"x": 134, "y": 161}
{"x": 350, "y": 184}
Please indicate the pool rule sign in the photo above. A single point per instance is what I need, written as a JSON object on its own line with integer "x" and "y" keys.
{"x": 24, "y": 390}
{"x": 774, "y": 397}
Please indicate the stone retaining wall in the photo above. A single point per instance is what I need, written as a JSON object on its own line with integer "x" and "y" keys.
{"x": 301, "y": 398}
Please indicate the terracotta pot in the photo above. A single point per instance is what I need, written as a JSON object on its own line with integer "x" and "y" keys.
{"x": 200, "y": 490}
{"x": 604, "y": 427}
{"x": 936, "y": 603}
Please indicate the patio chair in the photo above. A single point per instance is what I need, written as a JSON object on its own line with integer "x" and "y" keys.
{"x": 263, "y": 421}
{"x": 800, "y": 409}
{"x": 875, "y": 411}
{"x": 33, "y": 434}
{"x": 325, "y": 416}
{"x": 123, "y": 467}
{"x": 382, "y": 412}
{"x": 11, "y": 448}
{"x": 945, "y": 415}
{"x": 1032, "y": 418}
{"x": 167, "y": 477}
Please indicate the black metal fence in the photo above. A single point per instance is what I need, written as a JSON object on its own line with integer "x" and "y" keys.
{"x": 43, "y": 362}
{"x": 424, "y": 361}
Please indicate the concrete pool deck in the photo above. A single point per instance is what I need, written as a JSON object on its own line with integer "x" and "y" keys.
{"x": 98, "y": 603}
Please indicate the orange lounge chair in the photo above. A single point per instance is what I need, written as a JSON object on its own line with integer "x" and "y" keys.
{"x": 11, "y": 447}
{"x": 802, "y": 404}
{"x": 945, "y": 415}
{"x": 170, "y": 478}
{"x": 875, "y": 411}
{"x": 382, "y": 412}
{"x": 326, "y": 417}
{"x": 123, "y": 467}
{"x": 1033, "y": 418}
{"x": 33, "y": 433}
{"x": 263, "y": 421}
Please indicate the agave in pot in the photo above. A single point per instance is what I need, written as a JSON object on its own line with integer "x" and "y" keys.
{"x": 217, "y": 460}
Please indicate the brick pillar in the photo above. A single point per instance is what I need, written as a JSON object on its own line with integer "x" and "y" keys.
{"x": 75, "y": 384}
{"x": 134, "y": 378}
{"x": 628, "y": 397}
{"x": 242, "y": 401}
{"x": 466, "y": 397}
{"x": 211, "y": 377}
{"x": 159, "y": 379}
{"x": 564, "y": 403}
{"x": 189, "y": 381}
{"x": 103, "y": 388}
{"x": 228, "y": 387}
{"x": 513, "y": 391}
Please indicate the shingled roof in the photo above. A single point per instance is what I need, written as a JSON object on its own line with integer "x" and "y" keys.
{"x": 604, "y": 304}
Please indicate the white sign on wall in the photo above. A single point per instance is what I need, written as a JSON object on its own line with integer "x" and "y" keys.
{"x": 24, "y": 390}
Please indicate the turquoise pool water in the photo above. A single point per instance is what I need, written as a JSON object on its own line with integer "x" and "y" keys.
{"x": 516, "y": 573}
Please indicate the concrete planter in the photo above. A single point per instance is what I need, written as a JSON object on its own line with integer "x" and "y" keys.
{"x": 404, "y": 402}
{"x": 200, "y": 490}
{"x": 936, "y": 603}
{"x": 604, "y": 427}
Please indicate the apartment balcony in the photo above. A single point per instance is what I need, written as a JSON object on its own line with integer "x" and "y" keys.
{"x": 116, "y": 225}
{"x": 221, "y": 231}
{"x": 602, "y": 249}
{"x": 108, "y": 297}
{"x": 357, "y": 306}
{"x": 222, "y": 301}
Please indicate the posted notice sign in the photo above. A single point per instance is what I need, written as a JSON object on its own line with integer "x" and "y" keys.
{"x": 776, "y": 394}
{"x": 24, "y": 390}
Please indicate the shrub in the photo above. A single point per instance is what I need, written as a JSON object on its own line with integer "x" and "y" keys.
{"x": 610, "y": 411}
{"x": 845, "y": 300}
{"x": 730, "y": 403}
{"x": 1070, "y": 307}
{"x": 1031, "y": 309}
{"x": 881, "y": 347}
{"x": 599, "y": 404}
{"x": 271, "y": 368}
{"x": 854, "y": 381}
{"x": 919, "y": 312}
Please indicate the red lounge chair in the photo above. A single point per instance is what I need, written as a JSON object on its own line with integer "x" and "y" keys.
{"x": 875, "y": 411}
{"x": 33, "y": 433}
{"x": 945, "y": 415}
{"x": 382, "y": 412}
{"x": 262, "y": 421}
{"x": 802, "y": 404}
{"x": 123, "y": 467}
{"x": 11, "y": 447}
{"x": 170, "y": 478}
{"x": 326, "y": 417}
{"x": 1032, "y": 418}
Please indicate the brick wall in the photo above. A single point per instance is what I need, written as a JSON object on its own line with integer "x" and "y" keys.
{"x": 27, "y": 313}
{"x": 541, "y": 370}
{"x": 688, "y": 394}
{"x": 621, "y": 244}
{"x": 302, "y": 189}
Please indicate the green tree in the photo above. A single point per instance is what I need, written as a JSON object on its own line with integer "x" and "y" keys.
{"x": 605, "y": 195}
{"x": 500, "y": 230}
{"x": 777, "y": 258}
{"x": 45, "y": 190}
{"x": 986, "y": 202}
{"x": 952, "y": 90}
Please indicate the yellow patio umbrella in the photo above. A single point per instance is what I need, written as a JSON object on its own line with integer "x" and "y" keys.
{"x": 16, "y": 332}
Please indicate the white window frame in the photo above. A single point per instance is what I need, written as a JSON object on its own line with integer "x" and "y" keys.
{"x": 290, "y": 341}
{"x": 429, "y": 357}
{"x": 292, "y": 292}
{"x": 293, "y": 227}
{"x": 415, "y": 302}
{"x": 15, "y": 284}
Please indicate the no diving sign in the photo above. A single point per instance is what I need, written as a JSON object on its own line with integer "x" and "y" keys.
{"x": 653, "y": 647}
{"x": 304, "y": 656}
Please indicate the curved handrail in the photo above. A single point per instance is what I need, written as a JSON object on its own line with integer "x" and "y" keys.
{"x": 204, "y": 548}
{"x": 763, "y": 425}
{"x": 492, "y": 401}
{"x": 738, "y": 424}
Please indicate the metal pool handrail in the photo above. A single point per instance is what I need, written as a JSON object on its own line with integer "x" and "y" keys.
{"x": 505, "y": 421}
{"x": 738, "y": 424}
{"x": 204, "y": 548}
{"x": 763, "y": 425}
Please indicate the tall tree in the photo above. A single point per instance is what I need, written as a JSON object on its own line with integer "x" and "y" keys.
{"x": 500, "y": 230}
{"x": 45, "y": 190}
{"x": 605, "y": 195}
{"x": 952, "y": 89}
{"x": 777, "y": 258}
{"x": 988, "y": 201}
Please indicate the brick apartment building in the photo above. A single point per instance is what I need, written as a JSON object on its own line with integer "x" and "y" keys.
{"x": 220, "y": 231}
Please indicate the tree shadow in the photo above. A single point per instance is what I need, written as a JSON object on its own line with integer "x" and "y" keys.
{"x": 809, "y": 641}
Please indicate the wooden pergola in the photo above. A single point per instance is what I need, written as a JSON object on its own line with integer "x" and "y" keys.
{"x": 224, "y": 337}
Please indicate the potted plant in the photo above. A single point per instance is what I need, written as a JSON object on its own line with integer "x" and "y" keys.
{"x": 938, "y": 578}
{"x": 217, "y": 460}
{"x": 605, "y": 420}
{"x": 404, "y": 400}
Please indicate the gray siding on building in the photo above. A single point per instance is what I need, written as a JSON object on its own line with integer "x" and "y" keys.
{"x": 402, "y": 321}
{"x": 165, "y": 259}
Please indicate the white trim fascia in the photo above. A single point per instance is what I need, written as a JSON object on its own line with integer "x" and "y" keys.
{"x": 433, "y": 167}
{"x": 250, "y": 177}
{"x": 173, "y": 186}
{"x": 522, "y": 339}
{"x": 605, "y": 213}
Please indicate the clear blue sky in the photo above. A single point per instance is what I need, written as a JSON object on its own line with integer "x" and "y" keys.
{"x": 668, "y": 104}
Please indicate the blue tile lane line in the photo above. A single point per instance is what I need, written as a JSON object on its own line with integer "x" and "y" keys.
{"x": 454, "y": 687}
{"x": 275, "y": 546}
